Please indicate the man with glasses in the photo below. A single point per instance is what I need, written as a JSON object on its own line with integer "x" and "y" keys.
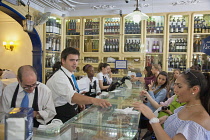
{"x": 65, "y": 89}
{"x": 27, "y": 92}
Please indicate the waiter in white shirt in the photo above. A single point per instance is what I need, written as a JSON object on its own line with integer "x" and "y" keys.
{"x": 27, "y": 92}
{"x": 65, "y": 89}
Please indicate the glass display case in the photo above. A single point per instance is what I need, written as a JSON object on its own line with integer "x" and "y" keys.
{"x": 99, "y": 123}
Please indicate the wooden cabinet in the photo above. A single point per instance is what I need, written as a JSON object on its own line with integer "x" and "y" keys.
{"x": 172, "y": 40}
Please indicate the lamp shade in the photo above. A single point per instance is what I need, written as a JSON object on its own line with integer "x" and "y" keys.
{"x": 28, "y": 24}
{"x": 136, "y": 16}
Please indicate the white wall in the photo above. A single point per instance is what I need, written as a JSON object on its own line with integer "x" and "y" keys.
{"x": 22, "y": 53}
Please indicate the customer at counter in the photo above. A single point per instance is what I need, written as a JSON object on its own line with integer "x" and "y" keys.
{"x": 27, "y": 92}
{"x": 65, "y": 89}
{"x": 189, "y": 122}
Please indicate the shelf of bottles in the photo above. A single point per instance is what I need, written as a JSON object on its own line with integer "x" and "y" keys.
{"x": 73, "y": 41}
{"x": 73, "y": 26}
{"x": 154, "y": 59}
{"x": 92, "y": 26}
{"x": 178, "y": 43}
{"x": 53, "y": 42}
{"x": 91, "y": 34}
{"x": 91, "y": 44}
{"x": 51, "y": 58}
{"x": 132, "y": 27}
{"x": 73, "y": 29}
{"x": 197, "y": 42}
{"x": 202, "y": 62}
{"x": 155, "y": 25}
{"x": 111, "y": 35}
{"x": 132, "y": 43}
{"x": 53, "y": 25}
{"x": 202, "y": 23}
{"x": 177, "y": 61}
{"x": 90, "y": 60}
{"x": 111, "y": 44}
{"x": 154, "y": 44}
{"x": 52, "y": 45}
{"x": 178, "y": 23}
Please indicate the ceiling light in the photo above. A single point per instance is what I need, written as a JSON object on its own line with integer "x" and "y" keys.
{"x": 136, "y": 15}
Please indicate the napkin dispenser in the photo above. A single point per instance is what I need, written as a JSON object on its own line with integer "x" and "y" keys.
{"x": 19, "y": 124}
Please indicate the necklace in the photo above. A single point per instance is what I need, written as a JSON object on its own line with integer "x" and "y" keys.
{"x": 191, "y": 105}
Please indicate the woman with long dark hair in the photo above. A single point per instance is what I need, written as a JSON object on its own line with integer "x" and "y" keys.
{"x": 189, "y": 122}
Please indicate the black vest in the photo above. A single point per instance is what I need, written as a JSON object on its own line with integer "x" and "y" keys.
{"x": 90, "y": 93}
{"x": 66, "y": 111}
{"x": 34, "y": 105}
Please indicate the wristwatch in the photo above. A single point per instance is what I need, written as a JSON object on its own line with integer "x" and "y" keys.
{"x": 154, "y": 120}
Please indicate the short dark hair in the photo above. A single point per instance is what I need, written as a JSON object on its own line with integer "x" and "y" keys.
{"x": 21, "y": 71}
{"x": 68, "y": 51}
{"x": 85, "y": 68}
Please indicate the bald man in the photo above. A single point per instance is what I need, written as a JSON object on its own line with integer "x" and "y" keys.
{"x": 39, "y": 96}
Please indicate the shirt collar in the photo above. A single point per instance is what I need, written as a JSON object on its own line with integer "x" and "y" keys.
{"x": 66, "y": 71}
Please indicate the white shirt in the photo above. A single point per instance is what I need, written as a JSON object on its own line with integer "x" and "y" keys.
{"x": 100, "y": 76}
{"x": 45, "y": 102}
{"x": 84, "y": 84}
{"x": 62, "y": 90}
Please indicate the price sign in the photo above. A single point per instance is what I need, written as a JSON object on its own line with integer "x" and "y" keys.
{"x": 121, "y": 64}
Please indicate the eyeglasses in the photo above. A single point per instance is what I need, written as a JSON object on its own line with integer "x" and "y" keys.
{"x": 30, "y": 86}
{"x": 188, "y": 71}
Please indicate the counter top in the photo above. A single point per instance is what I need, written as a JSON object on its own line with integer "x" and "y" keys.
{"x": 98, "y": 123}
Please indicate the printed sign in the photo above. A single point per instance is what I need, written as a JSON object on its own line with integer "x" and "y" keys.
{"x": 121, "y": 64}
{"x": 205, "y": 46}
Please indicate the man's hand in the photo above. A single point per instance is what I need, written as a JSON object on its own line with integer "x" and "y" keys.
{"x": 101, "y": 102}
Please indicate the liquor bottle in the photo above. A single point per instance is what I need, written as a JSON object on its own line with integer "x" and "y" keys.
{"x": 157, "y": 47}
{"x": 57, "y": 44}
{"x": 154, "y": 47}
{"x": 172, "y": 29}
{"x": 177, "y": 46}
{"x": 50, "y": 26}
{"x": 183, "y": 22}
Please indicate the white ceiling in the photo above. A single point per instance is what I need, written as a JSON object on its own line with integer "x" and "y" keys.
{"x": 112, "y": 7}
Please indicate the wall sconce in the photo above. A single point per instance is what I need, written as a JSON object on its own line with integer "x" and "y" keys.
{"x": 8, "y": 46}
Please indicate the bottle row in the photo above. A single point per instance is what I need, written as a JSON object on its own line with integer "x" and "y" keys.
{"x": 73, "y": 27}
{"x": 132, "y": 45}
{"x": 155, "y": 25}
{"x": 176, "y": 62}
{"x": 154, "y": 45}
{"x": 111, "y": 45}
{"x": 53, "y": 44}
{"x": 53, "y": 26}
{"x": 112, "y": 26}
{"x": 200, "y": 25}
{"x": 72, "y": 43}
{"x": 178, "y": 45}
{"x": 132, "y": 28}
{"x": 51, "y": 58}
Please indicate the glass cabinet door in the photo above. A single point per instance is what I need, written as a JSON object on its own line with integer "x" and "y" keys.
{"x": 155, "y": 25}
{"x": 73, "y": 27}
{"x": 111, "y": 41}
{"x": 73, "y": 32}
{"x": 91, "y": 34}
